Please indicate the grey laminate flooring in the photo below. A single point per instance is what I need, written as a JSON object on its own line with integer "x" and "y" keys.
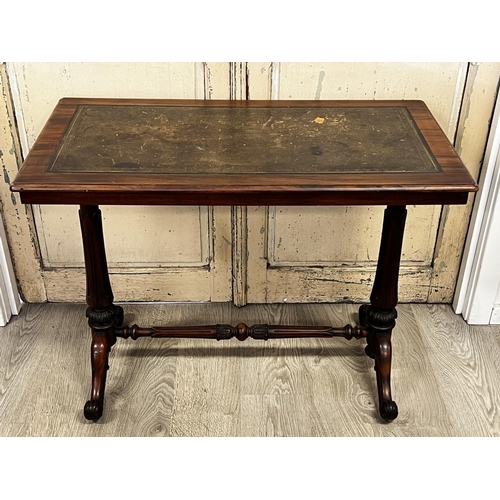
{"x": 445, "y": 378}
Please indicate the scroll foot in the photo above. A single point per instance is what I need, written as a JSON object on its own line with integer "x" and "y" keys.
{"x": 93, "y": 410}
{"x": 383, "y": 353}
{"x": 388, "y": 410}
{"x": 99, "y": 359}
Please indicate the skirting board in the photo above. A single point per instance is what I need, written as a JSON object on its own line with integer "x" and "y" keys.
{"x": 495, "y": 316}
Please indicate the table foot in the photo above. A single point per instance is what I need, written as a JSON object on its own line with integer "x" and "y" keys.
{"x": 388, "y": 410}
{"x": 380, "y": 324}
{"x": 383, "y": 357}
{"x": 100, "y": 349}
{"x": 103, "y": 323}
{"x": 93, "y": 410}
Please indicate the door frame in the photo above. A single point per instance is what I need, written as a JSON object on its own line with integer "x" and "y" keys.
{"x": 479, "y": 277}
{"x": 10, "y": 302}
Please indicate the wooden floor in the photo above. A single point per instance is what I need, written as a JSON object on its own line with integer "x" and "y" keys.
{"x": 446, "y": 376}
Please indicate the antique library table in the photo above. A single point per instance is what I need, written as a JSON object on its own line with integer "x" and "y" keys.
{"x": 97, "y": 152}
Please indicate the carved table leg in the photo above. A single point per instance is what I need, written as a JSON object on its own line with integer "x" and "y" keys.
{"x": 380, "y": 316}
{"x": 102, "y": 314}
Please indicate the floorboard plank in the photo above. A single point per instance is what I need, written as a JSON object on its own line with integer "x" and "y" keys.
{"x": 465, "y": 360}
{"x": 208, "y": 379}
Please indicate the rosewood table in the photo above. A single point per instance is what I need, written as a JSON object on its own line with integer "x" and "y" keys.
{"x": 97, "y": 152}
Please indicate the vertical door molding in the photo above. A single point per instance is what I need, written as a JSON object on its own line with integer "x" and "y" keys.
{"x": 240, "y": 263}
{"x": 262, "y": 80}
{"x": 470, "y": 143}
{"x": 263, "y": 83}
{"x": 18, "y": 218}
{"x": 10, "y": 303}
{"x": 238, "y": 90}
{"x": 217, "y": 78}
{"x": 479, "y": 277}
{"x": 257, "y": 287}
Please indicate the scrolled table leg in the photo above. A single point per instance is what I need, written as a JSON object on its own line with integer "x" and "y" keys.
{"x": 103, "y": 316}
{"x": 99, "y": 359}
{"x": 388, "y": 409}
{"x": 381, "y": 314}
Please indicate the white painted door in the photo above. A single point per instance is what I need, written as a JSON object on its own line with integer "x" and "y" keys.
{"x": 478, "y": 287}
{"x": 154, "y": 253}
{"x": 319, "y": 254}
{"x": 10, "y": 303}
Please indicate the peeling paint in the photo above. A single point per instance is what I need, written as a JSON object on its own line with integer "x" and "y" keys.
{"x": 466, "y": 103}
{"x": 319, "y": 88}
{"x": 6, "y": 177}
{"x": 470, "y": 140}
{"x": 444, "y": 217}
{"x": 208, "y": 82}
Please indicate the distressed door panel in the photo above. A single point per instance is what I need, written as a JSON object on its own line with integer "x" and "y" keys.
{"x": 172, "y": 236}
{"x": 319, "y": 256}
{"x": 329, "y": 253}
{"x": 154, "y": 253}
{"x": 18, "y": 218}
{"x": 307, "y": 236}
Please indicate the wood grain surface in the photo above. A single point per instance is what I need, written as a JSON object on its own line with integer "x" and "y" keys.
{"x": 447, "y": 182}
{"x": 446, "y": 376}
{"x": 459, "y": 352}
